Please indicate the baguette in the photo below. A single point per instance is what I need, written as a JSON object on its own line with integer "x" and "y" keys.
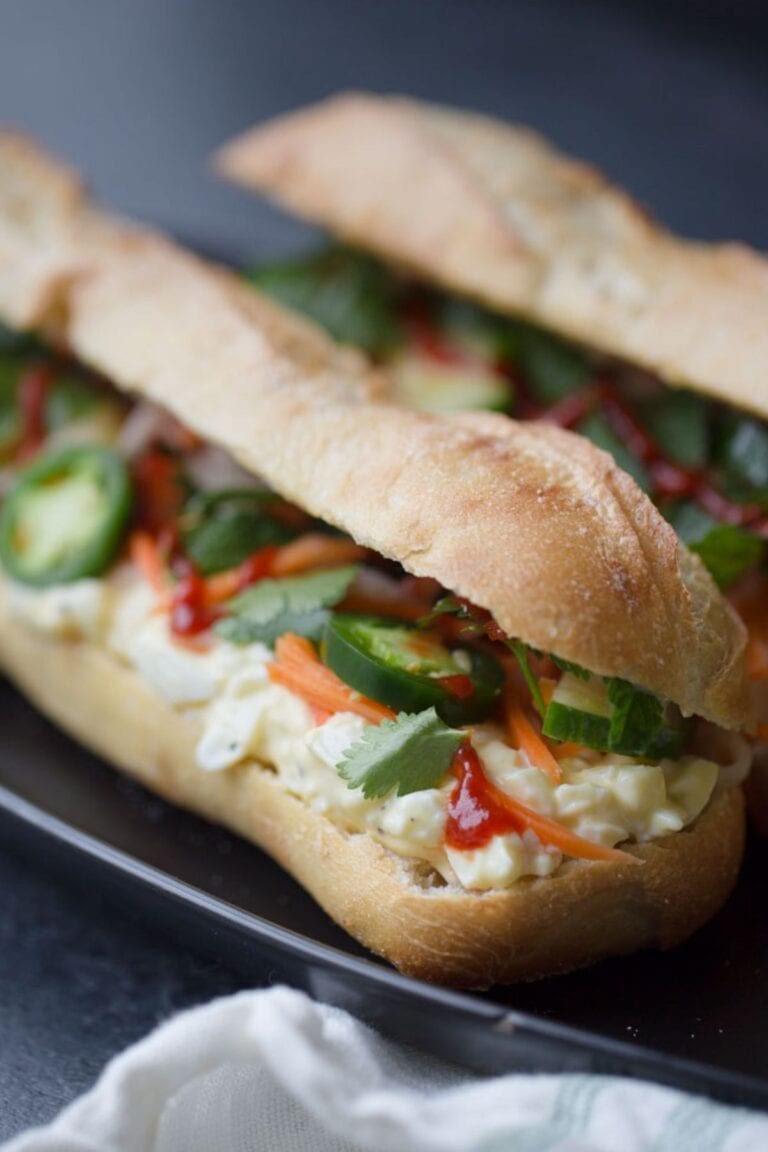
{"x": 492, "y": 211}
{"x": 531, "y": 523}
{"x": 528, "y": 521}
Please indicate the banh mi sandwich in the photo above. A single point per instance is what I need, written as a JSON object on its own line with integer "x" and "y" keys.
{"x": 507, "y": 276}
{"x": 456, "y": 673}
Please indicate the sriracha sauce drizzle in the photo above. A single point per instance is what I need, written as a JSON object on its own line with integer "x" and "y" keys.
{"x": 190, "y": 614}
{"x": 474, "y": 813}
{"x": 34, "y": 387}
{"x": 459, "y": 686}
{"x": 668, "y": 480}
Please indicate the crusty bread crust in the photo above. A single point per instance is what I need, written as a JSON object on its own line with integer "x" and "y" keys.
{"x": 537, "y": 927}
{"x": 526, "y": 520}
{"x": 493, "y": 211}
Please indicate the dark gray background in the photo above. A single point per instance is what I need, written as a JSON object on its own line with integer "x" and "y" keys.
{"x": 672, "y": 99}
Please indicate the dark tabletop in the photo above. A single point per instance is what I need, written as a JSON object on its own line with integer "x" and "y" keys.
{"x": 672, "y": 99}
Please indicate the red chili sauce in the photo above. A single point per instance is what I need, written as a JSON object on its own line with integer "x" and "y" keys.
{"x": 475, "y": 814}
{"x": 34, "y": 387}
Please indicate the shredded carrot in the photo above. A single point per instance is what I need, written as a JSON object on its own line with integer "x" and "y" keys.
{"x": 299, "y": 668}
{"x": 547, "y": 687}
{"x": 145, "y": 554}
{"x": 224, "y": 585}
{"x": 313, "y": 550}
{"x": 557, "y": 835}
{"x": 561, "y": 751}
{"x": 524, "y": 736}
{"x": 757, "y": 659}
{"x": 293, "y": 649}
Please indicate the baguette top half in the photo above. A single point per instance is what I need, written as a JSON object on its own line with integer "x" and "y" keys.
{"x": 528, "y": 521}
{"x": 492, "y": 211}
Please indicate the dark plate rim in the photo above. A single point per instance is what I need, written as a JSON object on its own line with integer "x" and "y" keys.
{"x": 547, "y": 1037}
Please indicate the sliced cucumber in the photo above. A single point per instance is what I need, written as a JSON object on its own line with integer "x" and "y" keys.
{"x": 613, "y": 716}
{"x": 579, "y": 712}
{"x": 425, "y": 383}
{"x": 410, "y": 670}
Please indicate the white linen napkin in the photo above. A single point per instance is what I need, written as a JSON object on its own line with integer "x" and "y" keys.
{"x": 272, "y": 1070}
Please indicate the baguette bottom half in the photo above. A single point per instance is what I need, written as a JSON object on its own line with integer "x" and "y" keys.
{"x": 396, "y": 907}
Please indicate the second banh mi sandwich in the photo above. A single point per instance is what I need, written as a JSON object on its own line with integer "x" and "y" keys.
{"x": 517, "y": 279}
{"x": 456, "y": 673}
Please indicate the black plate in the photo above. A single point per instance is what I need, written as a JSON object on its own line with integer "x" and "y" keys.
{"x": 693, "y": 1018}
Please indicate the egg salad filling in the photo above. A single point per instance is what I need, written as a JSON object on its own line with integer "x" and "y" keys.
{"x": 243, "y": 716}
{"x": 377, "y": 698}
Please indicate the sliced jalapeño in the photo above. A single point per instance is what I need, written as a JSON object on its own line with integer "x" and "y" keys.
{"x": 66, "y": 516}
{"x": 411, "y": 670}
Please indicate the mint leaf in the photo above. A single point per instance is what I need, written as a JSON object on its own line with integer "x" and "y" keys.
{"x": 636, "y": 717}
{"x": 727, "y": 550}
{"x": 569, "y": 666}
{"x": 405, "y": 755}
{"x": 597, "y": 429}
{"x": 521, "y": 653}
{"x": 222, "y": 529}
{"x": 743, "y": 455}
{"x": 553, "y": 368}
{"x": 351, "y": 295}
{"x": 477, "y": 329}
{"x": 679, "y": 423}
{"x": 294, "y": 604}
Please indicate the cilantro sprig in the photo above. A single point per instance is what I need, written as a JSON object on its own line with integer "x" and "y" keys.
{"x": 297, "y": 604}
{"x": 408, "y": 754}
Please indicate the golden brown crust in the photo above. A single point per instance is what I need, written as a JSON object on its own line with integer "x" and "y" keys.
{"x": 492, "y": 210}
{"x": 585, "y": 912}
{"x": 531, "y": 522}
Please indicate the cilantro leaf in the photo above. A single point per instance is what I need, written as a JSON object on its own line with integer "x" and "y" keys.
{"x": 405, "y": 755}
{"x": 294, "y": 604}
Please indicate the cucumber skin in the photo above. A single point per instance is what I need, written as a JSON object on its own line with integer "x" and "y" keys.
{"x": 389, "y": 686}
{"x": 571, "y": 725}
{"x": 574, "y": 726}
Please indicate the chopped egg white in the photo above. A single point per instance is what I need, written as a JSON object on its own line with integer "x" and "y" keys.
{"x": 502, "y": 861}
{"x": 244, "y": 716}
{"x": 187, "y": 674}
